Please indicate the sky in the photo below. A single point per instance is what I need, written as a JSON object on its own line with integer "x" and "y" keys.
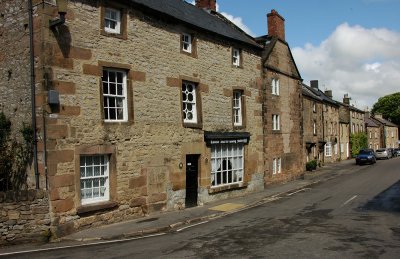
{"x": 350, "y": 46}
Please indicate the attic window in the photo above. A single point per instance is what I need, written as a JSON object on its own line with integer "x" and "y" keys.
{"x": 112, "y": 20}
{"x": 236, "y": 57}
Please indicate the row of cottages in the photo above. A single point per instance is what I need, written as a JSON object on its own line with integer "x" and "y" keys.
{"x": 381, "y": 133}
{"x": 146, "y": 105}
{"x": 328, "y": 125}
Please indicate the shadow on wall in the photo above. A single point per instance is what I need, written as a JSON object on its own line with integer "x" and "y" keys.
{"x": 63, "y": 37}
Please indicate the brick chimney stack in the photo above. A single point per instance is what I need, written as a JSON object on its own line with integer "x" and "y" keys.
{"x": 346, "y": 99}
{"x": 207, "y": 4}
{"x": 276, "y": 25}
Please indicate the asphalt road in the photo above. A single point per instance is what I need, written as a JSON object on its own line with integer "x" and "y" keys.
{"x": 352, "y": 216}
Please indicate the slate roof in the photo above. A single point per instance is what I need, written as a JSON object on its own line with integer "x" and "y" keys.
{"x": 370, "y": 122}
{"x": 385, "y": 122}
{"x": 321, "y": 95}
{"x": 206, "y": 20}
{"x": 309, "y": 93}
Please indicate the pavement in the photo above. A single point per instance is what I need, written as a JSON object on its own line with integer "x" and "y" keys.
{"x": 163, "y": 222}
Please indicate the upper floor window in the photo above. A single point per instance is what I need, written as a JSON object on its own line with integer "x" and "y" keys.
{"x": 314, "y": 128}
{"x": 370, "y": 134}
{"x": 189, "y": 102}
{"x": 275, "y": 86}
{"x": 237, "y": 108}
{"x": 236, "y": 57}
{"x": 115, "y": 95}
{"x": 314, "y": 107}
{"x": 276, "y": 122}
{"x": 187, "y": 43}
{"x": 94, "y": 178}
{"x": 112, "y": 20}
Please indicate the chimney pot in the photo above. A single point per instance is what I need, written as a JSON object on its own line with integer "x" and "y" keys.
{"x": 314, "y": 84}
{"x": 207, "y": 4}
{"x": 329, "y": 93}
{"x": 276, "y": 25}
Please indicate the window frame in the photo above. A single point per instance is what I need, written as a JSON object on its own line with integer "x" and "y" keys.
{"x": 314, "y": 127}
{"x": 275, "y": 86}
{"x": 189, "y": 43}
{"x": 197, "y": 121}
{"x": 276, "y": 122}
{"x": 238, "y": 110}
{"x": 233, "y": 155}
{"x": 276, "y": 166}
{"x": 328, "y": 149}
{"x": 117, "y": 20}
{"x": 125, "y": 96}
{"x": 236, "y": 56}
{"x": 121, "y": 33}
{"x": 106, "y": 176}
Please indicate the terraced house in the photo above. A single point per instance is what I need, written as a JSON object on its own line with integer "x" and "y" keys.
{"x": 146, "y": 105}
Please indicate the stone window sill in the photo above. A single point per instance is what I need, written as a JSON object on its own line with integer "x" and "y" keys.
{"x": 231, "y": 187}
{"x": 95, "y": 207}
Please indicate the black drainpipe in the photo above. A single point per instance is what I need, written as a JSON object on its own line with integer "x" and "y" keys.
{"x": 33, "y": 94}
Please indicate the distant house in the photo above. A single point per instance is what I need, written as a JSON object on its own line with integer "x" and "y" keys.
{"x": 373, "y": 130}
{"x": 388, "y": 131}
{"x": 313, "y": 133}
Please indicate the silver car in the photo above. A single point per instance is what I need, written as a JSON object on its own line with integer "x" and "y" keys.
{"x": 383, "y": 153}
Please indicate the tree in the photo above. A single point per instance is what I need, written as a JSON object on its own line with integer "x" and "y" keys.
{"x": 389, "y": 107}
{"x": 358, "y": 141}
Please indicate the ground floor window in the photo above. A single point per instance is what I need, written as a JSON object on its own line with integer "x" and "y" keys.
{"x": 276, "y": 166}
{"x": 94, "y": 178}
{"x": 328, "y": 149}
{"x": 227, "y": 164}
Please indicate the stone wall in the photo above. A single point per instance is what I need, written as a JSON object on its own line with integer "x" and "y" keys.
{"x": 24, "y": 217}
{"x": 286, "y": 143}
{"x": 15, "y": 99}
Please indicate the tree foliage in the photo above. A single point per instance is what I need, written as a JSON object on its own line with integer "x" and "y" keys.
{"x": 358, "y": 141}
{"x": 389, "y": 107}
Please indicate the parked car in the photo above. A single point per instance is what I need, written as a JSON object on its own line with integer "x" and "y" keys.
{"x": 365, "y": 157}
{"x": 383, "y": 153}
{"x": 397, "y": 152}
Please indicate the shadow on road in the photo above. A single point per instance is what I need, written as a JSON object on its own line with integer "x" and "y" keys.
{"x": 388, "y": 200}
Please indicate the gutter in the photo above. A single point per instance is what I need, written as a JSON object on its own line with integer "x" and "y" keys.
{"x": 33, "y": 93}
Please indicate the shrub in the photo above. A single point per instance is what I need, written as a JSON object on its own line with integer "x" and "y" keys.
{"x": 311, "y": 165}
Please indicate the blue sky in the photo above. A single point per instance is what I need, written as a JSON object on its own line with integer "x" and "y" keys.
{"x": 312, "y": 21}
{"x": 350, "y": 46}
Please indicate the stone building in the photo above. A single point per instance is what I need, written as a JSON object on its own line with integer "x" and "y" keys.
{"x": 389, "y": 132}
{"x": 330, "y": 127}
{"x": 136, "y": 112}
{"x": 312, "y": 125}
{"x": 373, "y": 133}
{"x": 282, "y": 113}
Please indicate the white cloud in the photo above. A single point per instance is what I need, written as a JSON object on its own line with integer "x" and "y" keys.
{"x": 238, "y": 21}
{"x": 365, "y": 63}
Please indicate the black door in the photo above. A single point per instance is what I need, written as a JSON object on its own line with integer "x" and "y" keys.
{"x": 191, "y": 180}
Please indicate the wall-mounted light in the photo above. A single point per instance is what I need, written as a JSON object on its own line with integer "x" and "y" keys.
{"x": 62, "y": 10}
{"x": 180, "y": 165}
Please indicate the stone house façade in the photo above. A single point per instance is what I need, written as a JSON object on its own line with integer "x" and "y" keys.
{"x": 135, "y": 112}
{"x": 312, "y": 125}
{"x": 373, "y": 133}
{"x": 329, "y": 146}
{"x": 282, "y": 101}
{"x": 387, "y": 132}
